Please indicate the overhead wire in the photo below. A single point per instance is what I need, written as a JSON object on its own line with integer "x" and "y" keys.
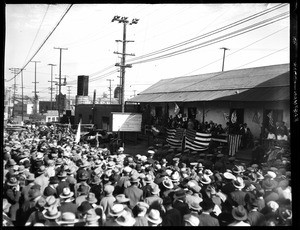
{"x": 201, "y": 36}
{"x": 216, "y": 40}
{"x": 67, "y": 10}
{"x": 236, "y": 23}
{"x": 37, "y": 32}
{"x": 230, "y": 54}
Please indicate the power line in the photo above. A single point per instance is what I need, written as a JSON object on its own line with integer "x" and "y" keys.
{"x": 215, "y": 40}
{"x": 44, "y": 41}
{"x": 211, "y": 32}
{"x": 37, "y": 32}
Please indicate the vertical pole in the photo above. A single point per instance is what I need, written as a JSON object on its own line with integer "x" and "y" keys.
{"x": 22, "y": 96}
{"x": 223, "y": 57}
{"x": 123, "y": 66}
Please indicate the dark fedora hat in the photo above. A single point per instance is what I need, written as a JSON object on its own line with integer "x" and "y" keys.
{"x": 53, "y": 180}
{"x": 207, "y": 204}
{"x": 239, "y": 213}
{"x": 84, "y": 207}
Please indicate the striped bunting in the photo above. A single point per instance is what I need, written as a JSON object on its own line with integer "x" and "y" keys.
{"x": 234, "y": 142}
{"x": 197, "y": 141}
{"x": 174, "y": 137}
{"x": 220, "y": 138}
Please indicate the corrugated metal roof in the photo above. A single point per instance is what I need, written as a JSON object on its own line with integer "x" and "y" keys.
{"x": 269, "y": 83}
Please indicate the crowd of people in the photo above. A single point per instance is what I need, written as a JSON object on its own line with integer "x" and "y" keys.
{"x": 49, "y": 179}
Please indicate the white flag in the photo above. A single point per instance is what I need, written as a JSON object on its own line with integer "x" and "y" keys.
{"x": 78, "y": 133}
{"x": 177, "y": 109}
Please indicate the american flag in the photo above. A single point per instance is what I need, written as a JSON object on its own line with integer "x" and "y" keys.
{"x": 234, "y": 141}
{"x": 197, "y": 141}
{"x": 174, "y": 137}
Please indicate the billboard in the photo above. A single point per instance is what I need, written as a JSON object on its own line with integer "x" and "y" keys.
{"x": 126, "y": 122}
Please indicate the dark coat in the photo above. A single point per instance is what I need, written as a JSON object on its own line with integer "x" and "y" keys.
{"x": 49, "y": 191}
{"x": 172, "y": 217}
{"x": 208, "y": 220}
{"x": 182, "y": 207}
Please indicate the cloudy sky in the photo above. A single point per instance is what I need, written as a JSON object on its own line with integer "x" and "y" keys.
{"x": 187, "y": 36}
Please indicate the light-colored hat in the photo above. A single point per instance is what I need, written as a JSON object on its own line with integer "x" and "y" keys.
{"x": 155, "y": 190}
{"x": 125, "y": 219}
{"x": 205, "y": 179}
{"x": 192, "y": 220}
{"x": 91, "y": 198}
{"x": 271, "y": 175}
{"x": 208, "y": 172}
{"x": 51, "y": 213}
{"x": 154, "y": 216}
{"x": 68, "y": 218}
{"x": 91, "y": 216}
{"x": 167, "y": 183}
{"x": 239, "y": 183}
{"x": 66, "y": 193}
{"x": 116, "y": 210}
{"x": 195, "y": 206}
{"x": 229, "y": 176}
{"x": 175, "y": 177}
{"x": 50, "y": 201}
{"x": 121, "y": 198}
{"x": 151, "y": 152}
{"x": 127, "y": 169}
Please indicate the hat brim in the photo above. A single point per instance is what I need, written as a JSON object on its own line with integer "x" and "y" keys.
{"x": 12, "y": 184}
{"x": 129, "y": 222}
{"x": 68, "y": 221}
{"x": 66, "y": 196}
{"x": 52, "y": 217}
{"x": 238, "y": 217}
{"x": 116, "y": 214}
{"x": 239, "y": 186}
{"x": 93, "y": 201}
{"x": 168, "y": 187}
{"x": 154, "y": 221}
{"x": 205, "y": 182}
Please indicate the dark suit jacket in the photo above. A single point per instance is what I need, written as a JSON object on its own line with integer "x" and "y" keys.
{"x": 61, "y": 186}
{"x": 182, "y": 207}
{"x": 134, "y": 194}
{"x": 172, "y": 218}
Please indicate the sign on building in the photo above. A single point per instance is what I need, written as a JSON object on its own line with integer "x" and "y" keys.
{"x": 126, "y": 122}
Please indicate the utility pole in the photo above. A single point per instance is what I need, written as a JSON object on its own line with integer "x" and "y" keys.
{"x": 22, "y": 87}
{"x": 110, "y": 80}
{"x": 69, "y": 93}
{"x": 51, "y": 88}
{"x": 223, "y": 57}
{"x": 35, "y": 92}
{"x": 14, "y": 71}
{"x": 124, "y": 41}
{"x": 59, "y": 81}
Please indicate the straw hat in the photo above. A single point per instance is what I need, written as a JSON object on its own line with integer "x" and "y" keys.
{"x": 271, "y": 175}
{"x": 116, "y": 210}
{"x": 195, "y": 206}
{"x": 148, "y": 179}
{"x": 229, "y": 176}
{"x": 175, "y": 177}
{"x": 68, "y": 218}
{"x": 239, "y": 183}
{"x": 192, "y": 220}
{"x": 239, "y": 213}
{"x": 205, "y": 179}
{"x": 91, "y": 198}
{"x": 154, "y": 216}
{"x": 66, "y": 193}
{"x": 208, "y": 172}
{"x": 155, "y": 190}
{"x": 168, "y": 183}
{"x": 121, "y": 198}
{"x": 127, "y": 169}
{"x": 12, "y": 181}
{"x": 134, "y": 178}
{"x": 91, "y": 216}
{"x": 51, "y": 213}
{"x": 50, "y": 201}
{"x": 125, "y": 219}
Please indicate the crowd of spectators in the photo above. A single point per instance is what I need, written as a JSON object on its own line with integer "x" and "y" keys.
{"x": 51, "y": 180}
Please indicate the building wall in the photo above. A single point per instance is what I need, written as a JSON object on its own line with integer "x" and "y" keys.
{"x": 102, "y": 119}
{"x": 214, "y": 111}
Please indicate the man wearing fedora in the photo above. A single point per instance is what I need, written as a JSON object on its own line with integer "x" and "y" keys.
{"x": 238, "y": 196}
{"x": 82, "y": 193}
{"x": 51, "y": 189}
{"x": 67, "y": 201}
{"x": 206, "y": 219}
{"x": 63, "y": 183}
{"x": 240, "y": 215}
{"x": 108, "y": 200}
{"x": 52, "y": 214}
{"x": 154, "y": 201}
{"x": 170, "y": 216}
{"x": 180, "y": 203}
{"x": 139, "y": 213}
{"x": 133, "y": 192}
{"x": 82, "y": 178}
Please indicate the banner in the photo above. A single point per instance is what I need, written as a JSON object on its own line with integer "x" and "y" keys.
{"x": 175, "y": 137}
